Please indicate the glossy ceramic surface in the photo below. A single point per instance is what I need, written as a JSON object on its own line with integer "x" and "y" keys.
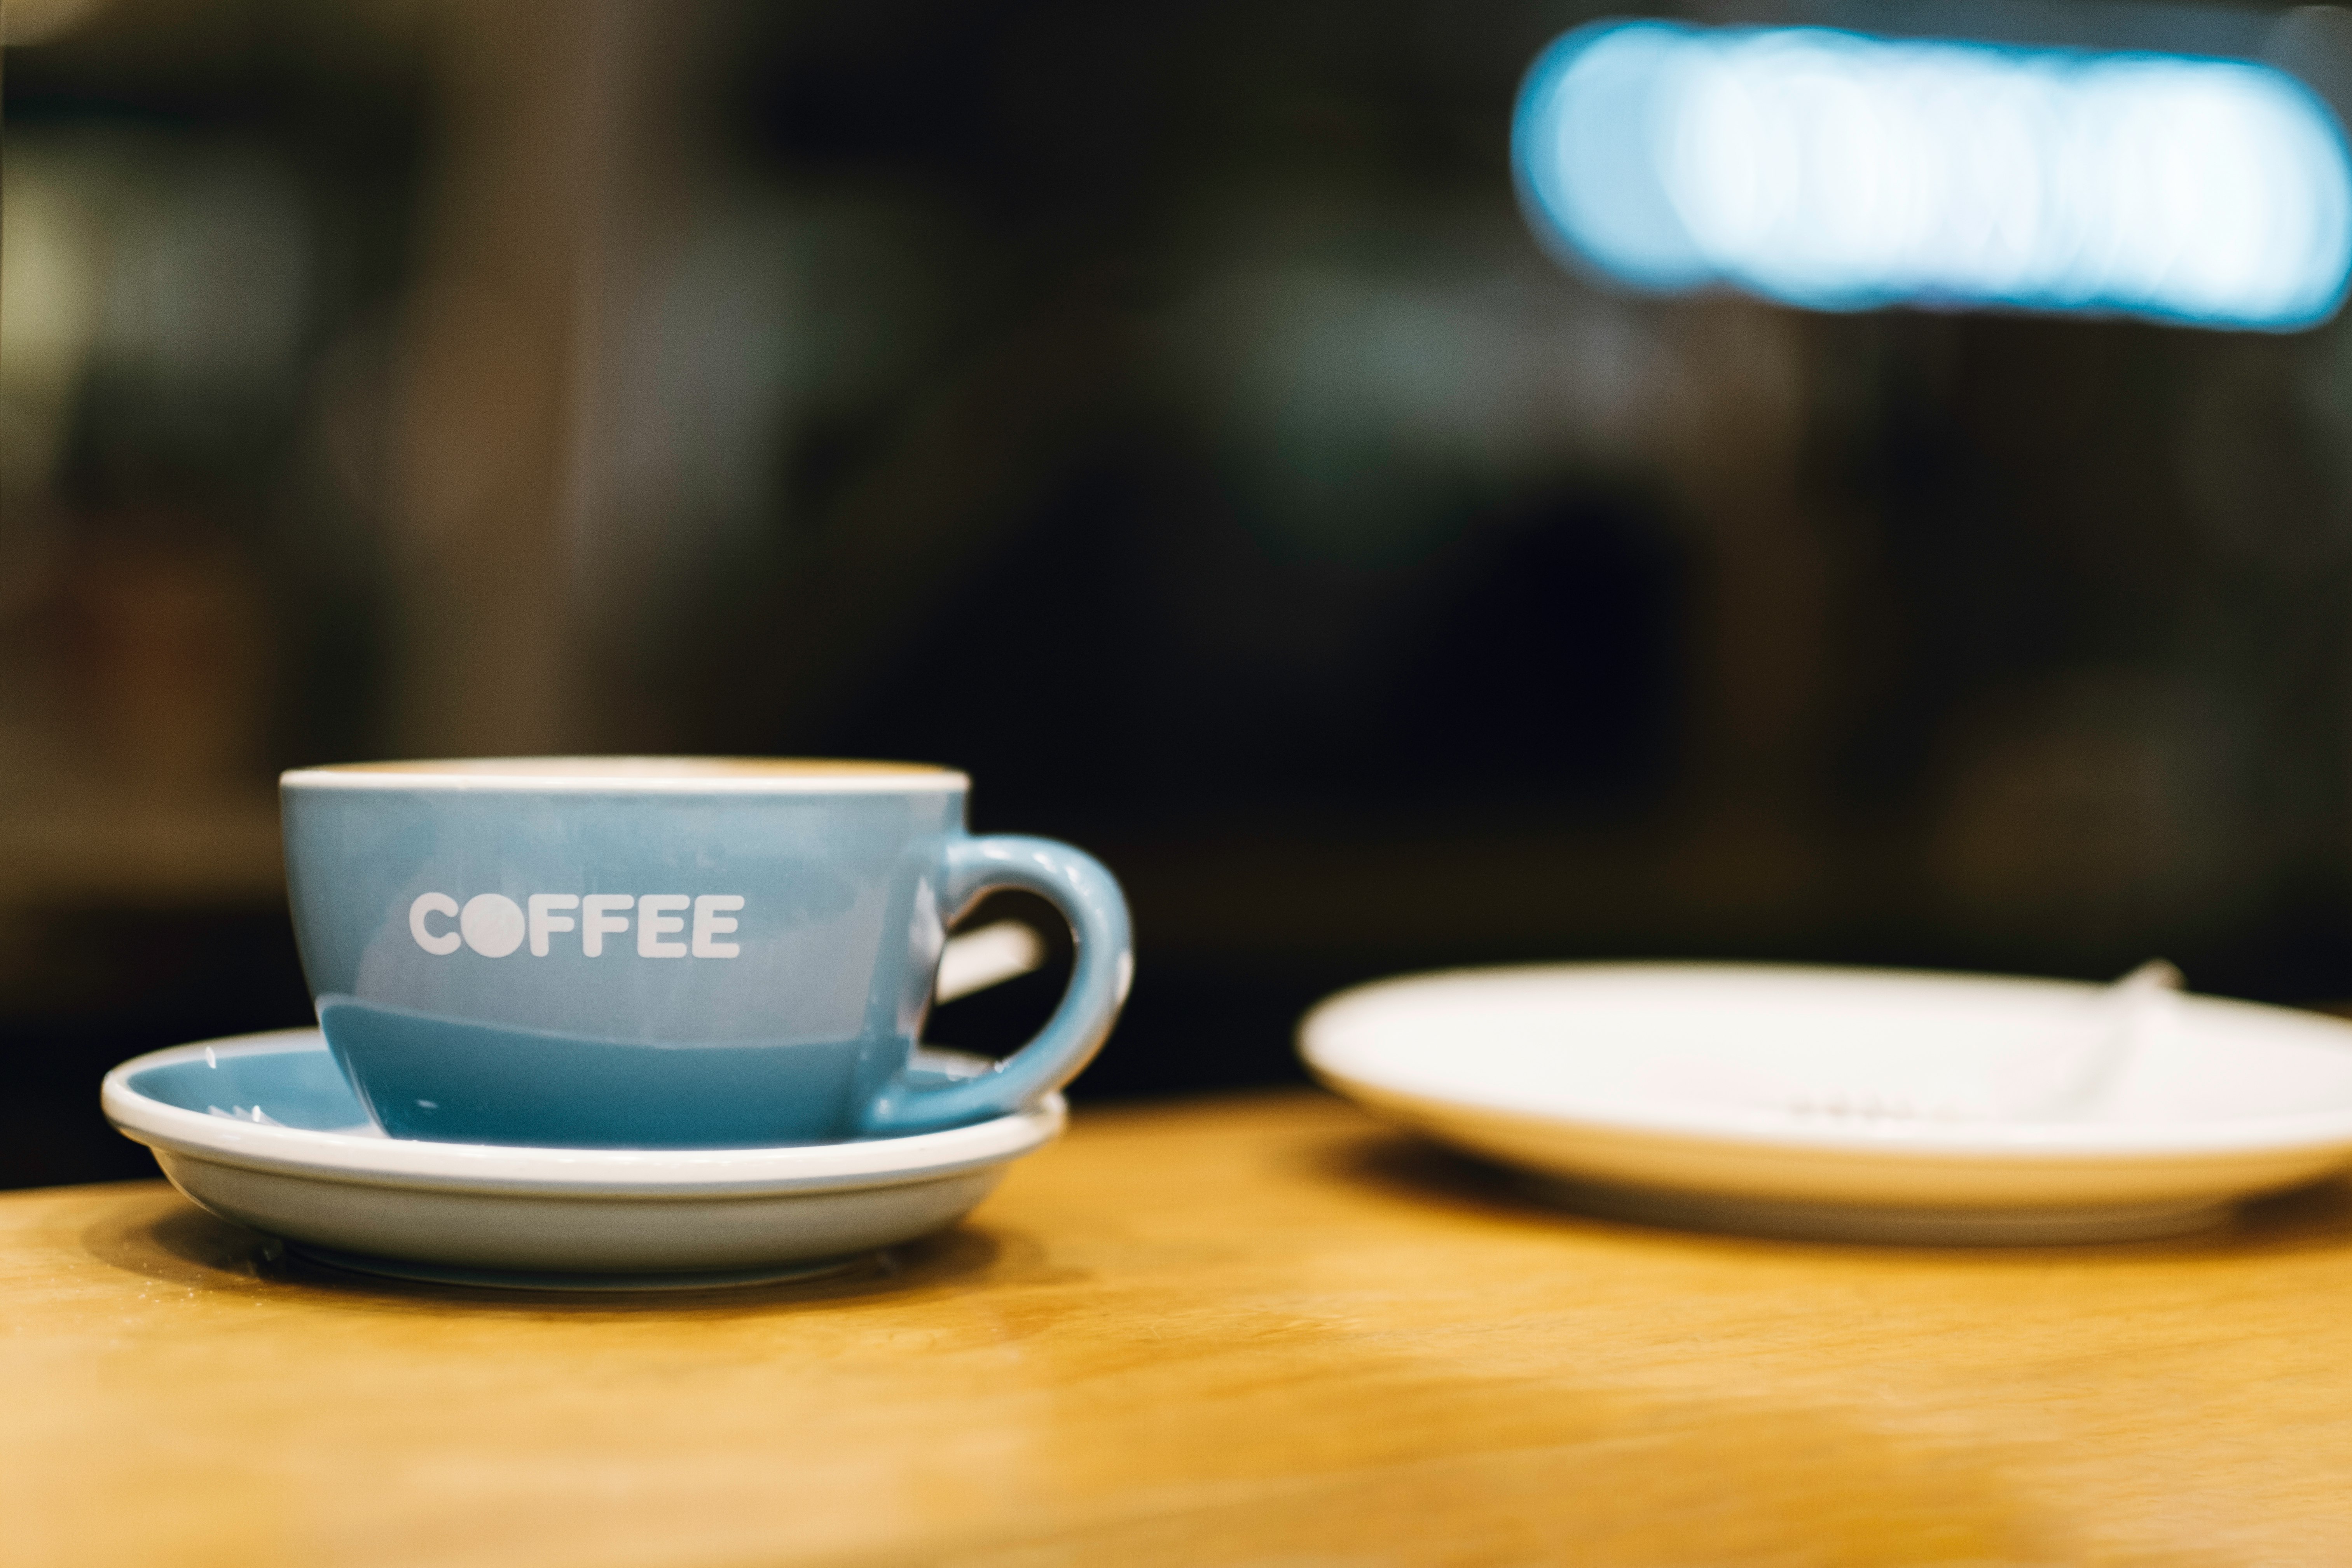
{"x": 264, "y": 1130}
{"x": 665, "y": 953}
{"x": 1678, "y": 1092}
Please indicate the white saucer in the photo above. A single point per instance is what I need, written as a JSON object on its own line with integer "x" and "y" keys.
{"x": 264, "y": 1130}
{"x": 1672, "y": 1092}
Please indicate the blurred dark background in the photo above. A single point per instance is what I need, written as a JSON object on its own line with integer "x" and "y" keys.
{"x": 1161, "y": 411}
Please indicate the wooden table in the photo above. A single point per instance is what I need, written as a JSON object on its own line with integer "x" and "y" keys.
{"x": 1256, "y": 1331}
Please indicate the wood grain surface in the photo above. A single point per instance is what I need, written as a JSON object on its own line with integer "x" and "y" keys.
{"x": 1248, "y": 1331}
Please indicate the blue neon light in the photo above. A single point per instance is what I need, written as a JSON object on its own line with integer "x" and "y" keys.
{"x": 1839, "y": 171}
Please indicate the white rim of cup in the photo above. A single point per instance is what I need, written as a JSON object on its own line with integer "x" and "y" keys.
{"x": 636, "y": 774}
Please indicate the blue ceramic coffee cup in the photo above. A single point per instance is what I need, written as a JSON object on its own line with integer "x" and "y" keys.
{"x": 666, "y": 952}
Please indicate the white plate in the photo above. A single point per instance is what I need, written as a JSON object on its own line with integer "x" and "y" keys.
{"x": 264, "y": 1130}
{"x": 1675, "y": 1092}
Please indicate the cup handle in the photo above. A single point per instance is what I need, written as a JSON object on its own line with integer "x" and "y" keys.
{"x": 1088, "y": 897}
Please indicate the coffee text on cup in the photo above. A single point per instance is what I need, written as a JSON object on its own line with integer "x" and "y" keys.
{"x": 494, "y": 925}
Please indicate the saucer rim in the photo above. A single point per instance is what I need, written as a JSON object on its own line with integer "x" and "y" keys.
{"x": 1348, "y": 1070}
{"x": 373, "y": 1160}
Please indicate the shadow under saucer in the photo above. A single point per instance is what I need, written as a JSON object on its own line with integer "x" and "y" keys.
{"x": 160, "y": 1235}
{"x": 525, "y": 1279}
